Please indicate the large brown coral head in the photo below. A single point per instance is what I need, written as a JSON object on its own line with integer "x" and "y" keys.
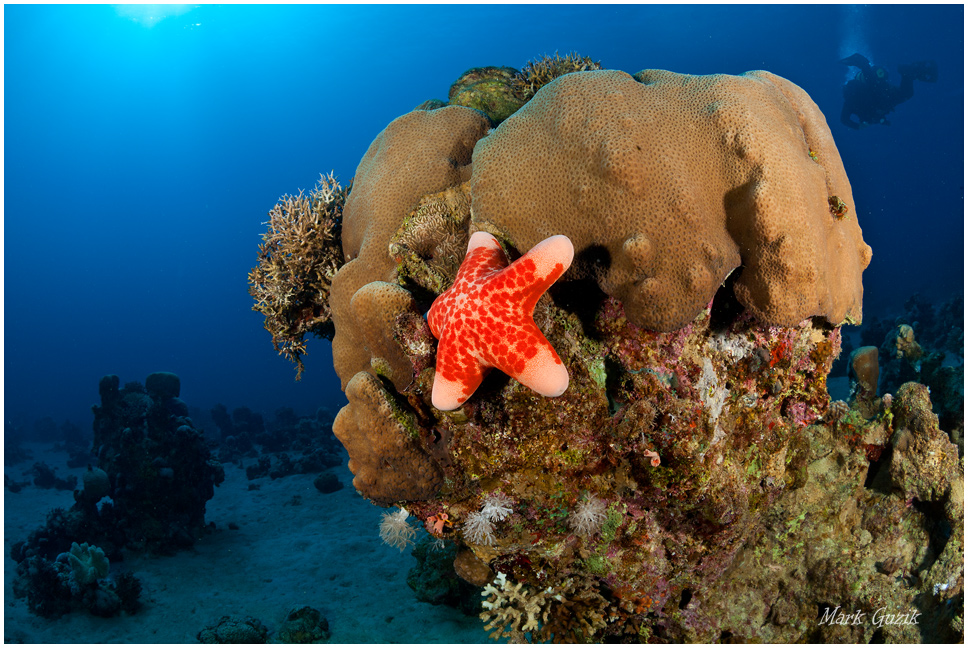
{"x": 667, "y": 183}
{"x": 299, "y": 255}
{"x": 420, "y": 153}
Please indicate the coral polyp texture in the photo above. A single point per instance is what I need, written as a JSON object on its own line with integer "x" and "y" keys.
{"x": 693, "y": 481}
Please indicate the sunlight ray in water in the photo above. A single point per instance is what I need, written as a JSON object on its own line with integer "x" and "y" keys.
{"x": 150, "y": 15}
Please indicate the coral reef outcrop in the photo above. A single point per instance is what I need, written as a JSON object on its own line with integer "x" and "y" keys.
{"x": 148, "y": 494}
{"x": 160, "y": 468}
{"x": 925, "y": 344}
{"x": 693, "y": 482}
{"x": 303, "y": 625}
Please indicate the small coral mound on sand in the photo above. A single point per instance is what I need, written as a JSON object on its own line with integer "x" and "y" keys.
{"x": 235, "y": 630}
{"x": 75, "y": 579}
{"x": 298, "y": 257}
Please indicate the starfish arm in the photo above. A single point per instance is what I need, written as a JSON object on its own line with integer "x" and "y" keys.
{"x": 437, "y": 315}
{"x": 457, "y": 376}
{"x": 486, "y": 241}
{"x": 537, "y": 270}
{"x": 552, "y": 257}
{"x": 484, "y": 255}
{"x": 531, "y": 360}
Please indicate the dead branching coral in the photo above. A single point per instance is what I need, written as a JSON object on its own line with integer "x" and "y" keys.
{"x": 546, "y": 69}
{"x": 300, "y": 253}
{"x": 579, "y": 612}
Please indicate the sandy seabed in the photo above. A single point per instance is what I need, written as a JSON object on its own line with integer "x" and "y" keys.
{"x": 294, "y": 546}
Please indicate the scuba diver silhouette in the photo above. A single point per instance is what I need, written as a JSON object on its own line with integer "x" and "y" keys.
{"x": 869, "y": 95}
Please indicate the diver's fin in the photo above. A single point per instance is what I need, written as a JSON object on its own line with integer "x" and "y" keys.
{"x": 856, "y": 60}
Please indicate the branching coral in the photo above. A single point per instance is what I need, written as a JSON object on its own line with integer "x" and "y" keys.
{"x": 513, "y": 609}
{"x": 578, "y": 613}
{"x": 571, "y": 611}
{"x": 298, "y": 257}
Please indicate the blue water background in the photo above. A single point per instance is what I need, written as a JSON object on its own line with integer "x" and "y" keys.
{"x": 142, "y": 155}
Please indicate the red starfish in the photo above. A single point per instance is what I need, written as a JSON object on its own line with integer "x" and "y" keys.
{"x": 486, "y": 319}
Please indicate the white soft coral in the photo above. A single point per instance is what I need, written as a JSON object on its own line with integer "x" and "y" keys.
{"x": 396, "y": 531}
{"x": 588, "y": 516}
{"x": 497, "y": 506}
{"x": 479, "y": 525}
{"x": 478, "y": 529}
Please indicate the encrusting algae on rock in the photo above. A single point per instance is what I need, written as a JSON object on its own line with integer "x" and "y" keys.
{"x": 694, "y": 481}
